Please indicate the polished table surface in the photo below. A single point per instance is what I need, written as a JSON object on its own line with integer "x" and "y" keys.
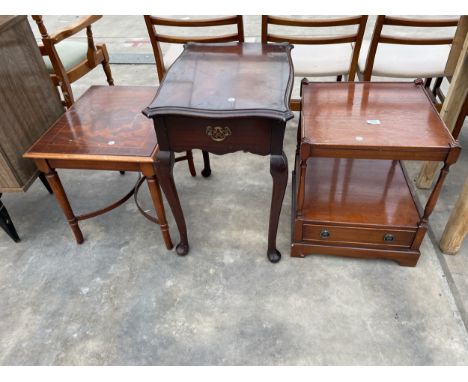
{"x": 105, "y": 122}
{"x": 375, "y": 118}
{"x": 223, "y": 98}
{"x": 237, "y": 79}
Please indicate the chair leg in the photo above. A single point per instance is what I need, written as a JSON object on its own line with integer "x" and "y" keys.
{"x": 191, "y": 165}
{"x": 45, "y": 182}
{"x": 107, "y": 70}
{"x": 106, "y": 66}
{"x": 67, "y": 94}
{"x": 437, "y": 84}
{"x": 6, "y": 224}
{"x": 339, "y": 78}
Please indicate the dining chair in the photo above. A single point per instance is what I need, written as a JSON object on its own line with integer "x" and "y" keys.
{"x": 318, "y": 56}
{"x": 176, "y": 41}
{"x": 406, "y": 56}
{"x": 67, "y": 60}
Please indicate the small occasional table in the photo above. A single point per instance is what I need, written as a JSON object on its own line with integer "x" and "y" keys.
{"x": 103, "y": 130}
{"x": 351, "y": 195}
{"x": 223, "y": 98}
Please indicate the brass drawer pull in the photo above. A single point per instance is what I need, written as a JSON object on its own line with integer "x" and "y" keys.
{"x": 218, "y": 133}
{"x": 324, "y": 234}
{"x": 388, "y": 237}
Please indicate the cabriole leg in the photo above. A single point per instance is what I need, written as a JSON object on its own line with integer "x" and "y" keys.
{"x": 279, "y": 173}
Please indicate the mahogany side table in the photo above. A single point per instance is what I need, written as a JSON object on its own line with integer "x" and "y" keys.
{"x": 223, "y": 98}
{"x": 103, "y": 130}
{"x": 351, "y": 195}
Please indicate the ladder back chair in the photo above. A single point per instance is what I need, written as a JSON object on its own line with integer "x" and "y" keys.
{"x": 319, "y": 56}
{"x": 164, "y": 61}
{"x": 398, "y": 56}
{"x": 67, "y": 61}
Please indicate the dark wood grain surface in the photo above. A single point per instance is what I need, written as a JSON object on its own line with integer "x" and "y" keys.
{"x": 340, "y": 115}
{"x": 245, "y": 79}
{"x": 104, "y": 122}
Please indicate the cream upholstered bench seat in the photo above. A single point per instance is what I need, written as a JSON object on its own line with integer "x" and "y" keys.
{"x": 321, "y": 60}
{"x": 406, "y": 61}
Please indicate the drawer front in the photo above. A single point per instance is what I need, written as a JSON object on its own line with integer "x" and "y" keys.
{"x": 219, "y": 136}
{"x": 340, "y": 234}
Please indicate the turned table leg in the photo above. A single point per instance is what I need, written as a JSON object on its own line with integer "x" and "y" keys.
{"x": 6, "y": 224}
{"x": 149, "y": 171}
{"x": 279, "y": 173}
{"x": 164, "y": 169}
{"x": 56, "y": 185}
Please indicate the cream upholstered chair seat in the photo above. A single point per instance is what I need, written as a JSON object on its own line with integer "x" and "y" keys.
{"x": 71, "y": 54}
{"x": 174, "y": 51}
{"x": 321, "y": 60}
{"x": 406, "y": 61}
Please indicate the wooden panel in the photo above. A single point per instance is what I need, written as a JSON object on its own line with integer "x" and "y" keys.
{"x": 358, "y": 191}
{"x": 342, "y": 116}
{"x": 105, "y": 121}
{"x": 29, "y": 104}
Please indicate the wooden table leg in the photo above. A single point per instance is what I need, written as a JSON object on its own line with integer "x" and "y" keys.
{"x": 457, "y": 225}
{"x": 6, "y": 224}
{"x": 149, "y": 171}
{"x": 164, "y": 169}
{"x": 44, "y": 182}
{"x": 206, "y": 172}
{"x": 59, "y": 192}
{"x": 279, "y": 172}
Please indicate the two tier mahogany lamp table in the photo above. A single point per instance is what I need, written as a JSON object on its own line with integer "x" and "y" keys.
{"x": 103, "y": 130}
{"x": 223, "y": 98}
{"x": 351, "y": 195}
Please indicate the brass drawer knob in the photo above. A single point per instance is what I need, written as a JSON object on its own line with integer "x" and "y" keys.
{"x": 388, "y": 237}
{"x": 324, "y": 234}
{"x": 218, "y": 133}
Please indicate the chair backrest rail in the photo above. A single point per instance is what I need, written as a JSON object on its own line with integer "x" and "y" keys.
{"x": 313, "y": 40}
{"x": 156, "y": 38}
{"x": 379, "y": 37}
{"x": 354, "y": 37}
{"x": 311, "y": 23}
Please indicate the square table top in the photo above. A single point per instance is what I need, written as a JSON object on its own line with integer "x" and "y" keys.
{"x": 103, "y": 124}
{"x": 373, "y": 116}
{"x": 227, "y": 80}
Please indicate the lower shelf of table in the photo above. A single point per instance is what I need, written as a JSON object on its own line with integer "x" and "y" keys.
{"x": 356, "y": 208}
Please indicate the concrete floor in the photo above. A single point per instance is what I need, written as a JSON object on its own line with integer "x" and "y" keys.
{"x": 121, "y": 298}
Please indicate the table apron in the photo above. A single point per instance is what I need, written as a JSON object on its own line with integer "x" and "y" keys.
{"x": 94, "y": 165}
{"x": 220, "y": 136}
{"x": 434, "y": 155}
